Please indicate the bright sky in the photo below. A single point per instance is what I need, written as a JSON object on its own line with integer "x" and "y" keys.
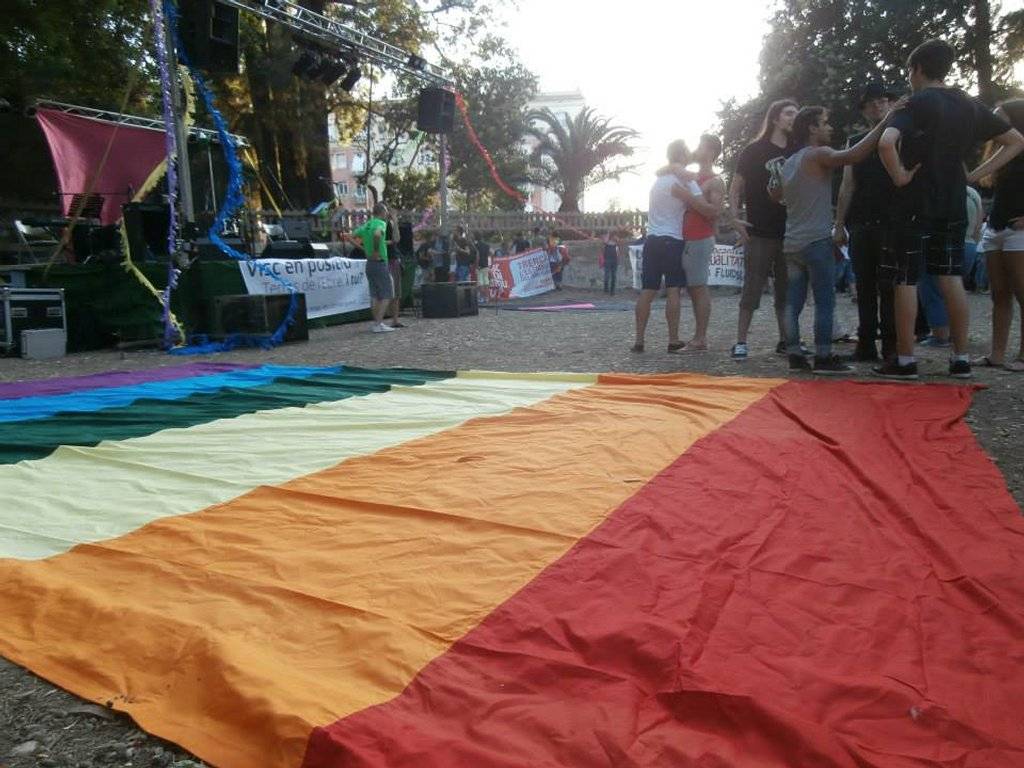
{"x": 661, "y": 68}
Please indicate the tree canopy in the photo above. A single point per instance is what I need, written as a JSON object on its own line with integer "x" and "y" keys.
{"x": 574, "y": 153}
{"x": 825, "y": 51}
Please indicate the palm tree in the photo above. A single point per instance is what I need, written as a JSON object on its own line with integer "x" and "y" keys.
{"x": 574, "y": 153}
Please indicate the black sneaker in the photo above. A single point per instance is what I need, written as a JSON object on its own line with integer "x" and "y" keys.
{"x": 798, "y": 363}
{"x": 891, "y": 369}
{"x": 783, "y": 349}
{"x": 960, "y": 369}
{"x": 831, "y": 366}
{"x": 866, "y": 354}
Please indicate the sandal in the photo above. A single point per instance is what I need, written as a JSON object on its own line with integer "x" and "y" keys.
{"x": 985, "y": 362}
{"x": 676, "y": 346}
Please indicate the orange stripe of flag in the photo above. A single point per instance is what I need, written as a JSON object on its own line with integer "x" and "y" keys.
{"x": 236, "y": 630}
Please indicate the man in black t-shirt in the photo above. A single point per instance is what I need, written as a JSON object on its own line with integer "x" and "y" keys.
{"x": 761, "y": 231}
{"x": 933, "y": 136}
{"x": 865, "y": 200}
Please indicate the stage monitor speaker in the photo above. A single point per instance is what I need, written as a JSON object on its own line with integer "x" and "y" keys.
{"x": 436, "y": 111}
{"x": 146, "y": 225}
{"x": 449, "y": 299}
{"x": 209, "y": 31}
{"x": 257, "y": 314}
{"x": 288, "y": 249}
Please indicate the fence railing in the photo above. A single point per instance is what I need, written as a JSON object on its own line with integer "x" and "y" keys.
{"x": 506, "y": 222}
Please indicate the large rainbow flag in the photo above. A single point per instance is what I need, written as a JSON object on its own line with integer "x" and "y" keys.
{"x": 283, "y": 567}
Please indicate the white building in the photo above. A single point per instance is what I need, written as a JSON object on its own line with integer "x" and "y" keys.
{"x": 348, "y": 161}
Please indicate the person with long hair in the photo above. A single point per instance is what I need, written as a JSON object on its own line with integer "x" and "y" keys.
{"x": 933, "y": 137}
{"x": 807, "y": 192}
{"x": 762, "y": 229}
{"x": 1003, "y": 247}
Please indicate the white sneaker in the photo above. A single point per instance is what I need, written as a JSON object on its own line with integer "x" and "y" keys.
{"x": 381, "y": 328}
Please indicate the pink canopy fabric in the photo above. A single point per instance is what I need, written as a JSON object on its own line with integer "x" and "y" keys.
{"x": 78, "y": 145}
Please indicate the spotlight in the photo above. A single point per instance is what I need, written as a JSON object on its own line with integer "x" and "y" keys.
{"x": 330, "y": 70}
{"x": 350, "y": 80}
{"x": 305, "y": 64}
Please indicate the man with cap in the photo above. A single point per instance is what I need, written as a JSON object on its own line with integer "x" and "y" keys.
{"x": 865, "y": 201}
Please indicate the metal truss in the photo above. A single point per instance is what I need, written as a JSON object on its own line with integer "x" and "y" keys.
{"x": 341, "y": 36}
{"x": 134, "y": 121}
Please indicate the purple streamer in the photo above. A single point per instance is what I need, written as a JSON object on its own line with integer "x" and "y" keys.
{"x": 171, "y": 141}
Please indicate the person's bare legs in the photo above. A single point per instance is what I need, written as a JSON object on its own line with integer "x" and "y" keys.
{"x": 643, "y": 314}
{"x": 1002, "y": 305}
{"x": 906, "y": 315}
{"x": 1015, "y": 261}
{"x": 743, "y": 326}
{"x": 952, "y": 287}
{"x": 377, "y": 308}
{"x": 701, "y": 298}
{"x": 672, "y": 311}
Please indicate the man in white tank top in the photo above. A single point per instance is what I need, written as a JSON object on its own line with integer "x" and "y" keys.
{"x": 663, "y": 248}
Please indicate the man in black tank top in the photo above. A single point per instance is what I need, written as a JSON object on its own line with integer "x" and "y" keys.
{"x": 932, "y": 137}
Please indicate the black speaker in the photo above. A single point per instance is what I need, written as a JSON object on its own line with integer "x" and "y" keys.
{"x": 209, "y": 32}
{"x": 257, "y": 315}
{"x": 436, "y": 112}
{"x": 449, "y": 299}
{"x": 288, "y": 249}
{"x": 146, "y": 225}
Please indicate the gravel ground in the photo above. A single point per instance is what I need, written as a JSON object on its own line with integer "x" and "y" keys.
{"x": 41, "y": 725}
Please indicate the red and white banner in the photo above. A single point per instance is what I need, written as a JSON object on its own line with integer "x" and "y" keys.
{"x": 522, "y": 275}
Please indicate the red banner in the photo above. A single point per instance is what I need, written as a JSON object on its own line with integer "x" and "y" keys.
{"x": 78, "y": 145}
{"x": 522, "y": 275}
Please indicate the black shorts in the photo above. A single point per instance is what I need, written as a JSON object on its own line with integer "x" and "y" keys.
{"x": 663, "y": 257}
{"x": 916, "y": 248}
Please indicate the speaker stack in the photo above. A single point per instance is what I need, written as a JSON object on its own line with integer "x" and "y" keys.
{"x": 436, "y": 111}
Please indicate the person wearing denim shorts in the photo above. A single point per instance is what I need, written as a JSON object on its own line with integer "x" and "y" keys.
{"x": 663, "y": 248}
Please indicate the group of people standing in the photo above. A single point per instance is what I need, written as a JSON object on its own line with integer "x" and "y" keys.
{"x": 905, "y": 210}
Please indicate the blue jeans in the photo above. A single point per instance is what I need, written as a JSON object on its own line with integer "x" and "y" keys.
{"x": 611, "y": 268}
{"x": 461, "y": 273}
{"x": 974, "y": 261}
{"x": 817, "y": 265}
{"x": 932, "y": 302}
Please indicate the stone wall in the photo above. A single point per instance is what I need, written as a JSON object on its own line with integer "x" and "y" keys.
{"x": 583, "y": 270}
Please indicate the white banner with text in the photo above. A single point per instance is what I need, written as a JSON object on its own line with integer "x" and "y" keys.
{"x": 332, "y": 286}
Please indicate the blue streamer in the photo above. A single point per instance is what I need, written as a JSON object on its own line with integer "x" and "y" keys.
{"x": 233, "y": 200}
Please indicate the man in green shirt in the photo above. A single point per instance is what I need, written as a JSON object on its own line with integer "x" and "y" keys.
{"x": 373, "y": 238}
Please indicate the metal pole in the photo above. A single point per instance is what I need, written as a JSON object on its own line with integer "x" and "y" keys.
{"x": 443, "y": 173}
{"x": 213, "y": 183}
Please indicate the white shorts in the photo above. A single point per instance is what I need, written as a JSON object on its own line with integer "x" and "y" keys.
{"x": 1001, "y": 240}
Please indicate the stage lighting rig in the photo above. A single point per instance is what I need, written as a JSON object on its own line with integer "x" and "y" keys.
{"x": 336, "y": 35}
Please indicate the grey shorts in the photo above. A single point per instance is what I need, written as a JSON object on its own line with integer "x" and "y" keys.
{"x": 762, "y": 257}
{"x": 696, "y": 257}
{"x": 378, "y": 277}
